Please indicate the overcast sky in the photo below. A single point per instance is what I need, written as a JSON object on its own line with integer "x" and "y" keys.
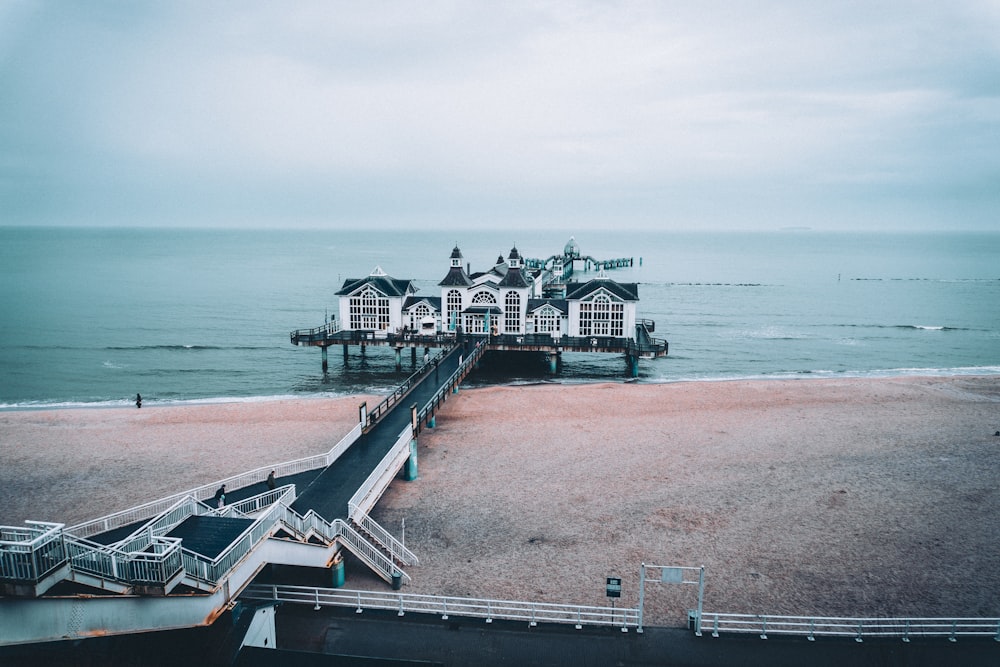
{"x": 688, "y": 114}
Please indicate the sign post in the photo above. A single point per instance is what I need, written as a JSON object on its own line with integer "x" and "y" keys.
{"x": 674, "y": 575}
{"x": 614, "y": 590}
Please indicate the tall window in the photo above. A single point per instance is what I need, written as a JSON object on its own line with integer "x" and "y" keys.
{"x": 602, "y": 317}
{"x": 512, "y": 313}
{"x": 417, "y": 315}
{"x": 548, "y": 320}
{"x": 454, "y": 302}
{"x": 370, "y": 310}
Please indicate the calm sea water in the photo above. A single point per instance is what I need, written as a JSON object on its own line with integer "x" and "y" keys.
{"x": 92, "y": 316}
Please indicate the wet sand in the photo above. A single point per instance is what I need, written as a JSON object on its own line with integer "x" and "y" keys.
{"x": 845, "y": 497}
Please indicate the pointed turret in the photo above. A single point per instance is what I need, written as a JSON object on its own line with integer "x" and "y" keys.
{"x": 456, "y": 272}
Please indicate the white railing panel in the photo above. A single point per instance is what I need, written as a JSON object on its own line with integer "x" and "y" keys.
{"x": 531, "y": 612}
{"x": 859, "y": 628}
{"x": 396, "y": 549}
{"x": 382, "y": 475}
{"x": 154, "y": 508}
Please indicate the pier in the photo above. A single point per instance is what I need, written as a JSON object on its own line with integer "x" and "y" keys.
{"x": 518, "y": 305}
{"x": 182, "y": 562}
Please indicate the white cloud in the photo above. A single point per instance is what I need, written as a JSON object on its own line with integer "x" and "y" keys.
{"x": 563, "y": 104}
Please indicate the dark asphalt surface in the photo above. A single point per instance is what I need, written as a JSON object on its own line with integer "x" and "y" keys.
{"x": 459, "y": 641}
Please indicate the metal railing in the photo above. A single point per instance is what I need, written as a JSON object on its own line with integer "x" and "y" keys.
{"x": 153, "y": 508}
{"x": 315, "y": 334}
{"x": 856, "y": 628}
{"x": 397, "y": 550}
{"x": 455, "y": 378}
{"x": 403, "y": 388}
{"x": 531, "y": 612}
{"x": 158, "y": 567}
{"x": 31, "y": 552}
{"x": 374, "y": 486}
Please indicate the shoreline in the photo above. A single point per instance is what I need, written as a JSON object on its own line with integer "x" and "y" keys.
{"x": 845, "y": 496}
{"x": 805, "y": 376}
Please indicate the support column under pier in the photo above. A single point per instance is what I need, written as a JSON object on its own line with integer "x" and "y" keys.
{"x": 413, "y": 356}
{"x": 632, "y": 365}
{"x": 399, "y": 358}
{"x": 337, "y": 571}
{"x": 553, "y": 362}
{"x": 345, "y": 353}
{"x": 410, "y": 467}
{"x": 325, "y": 364}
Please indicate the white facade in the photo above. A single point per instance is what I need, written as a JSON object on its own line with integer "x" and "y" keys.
{"x": 374, "y": 303}
{"x": 495, "y": 302}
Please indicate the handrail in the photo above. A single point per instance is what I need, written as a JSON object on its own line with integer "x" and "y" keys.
{"x": 403, "y": 388}
{"x": 397, "y": 550}
{"x": 32, "y": 552}
{"x": 856, "y": 628}
{"x": 453, "y": 379}
{"x": 368, "y": 552}
{"x": 163, "y": 523}
{"x": 316, "y": 333}
{"x": 154, "y": 508}
{"x": 532, "y": 612}
{"x": 387, "y": 467}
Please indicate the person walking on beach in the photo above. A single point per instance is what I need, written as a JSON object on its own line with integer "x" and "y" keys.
{"x": 138, "y": 401}
{"x": 270, "y": 481}
{"x": 220, "y": 496}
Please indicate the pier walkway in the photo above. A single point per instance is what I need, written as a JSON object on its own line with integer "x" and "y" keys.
{"x": 181, "y": 562}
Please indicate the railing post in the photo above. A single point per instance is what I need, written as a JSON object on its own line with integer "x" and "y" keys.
{"x": 701, "y": 600}
{"x": 642, "y": 591}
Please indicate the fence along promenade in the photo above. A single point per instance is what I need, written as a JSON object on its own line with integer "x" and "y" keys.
{"x": 531, "y": 612}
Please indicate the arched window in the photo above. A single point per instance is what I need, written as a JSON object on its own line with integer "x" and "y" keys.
{"x": 512, "y": 313}
{"x": 600, "y": 316}
{"x": 454, "y": 302}
{"x": 369, "y": 309}
{"x": 477, "y": 323}
{"x": 484, "y": 297}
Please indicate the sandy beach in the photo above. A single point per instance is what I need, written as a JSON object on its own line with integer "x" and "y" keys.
{"x": 838, "y": 497}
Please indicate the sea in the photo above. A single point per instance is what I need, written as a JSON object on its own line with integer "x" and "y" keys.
{"x": 92, "y": 316}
